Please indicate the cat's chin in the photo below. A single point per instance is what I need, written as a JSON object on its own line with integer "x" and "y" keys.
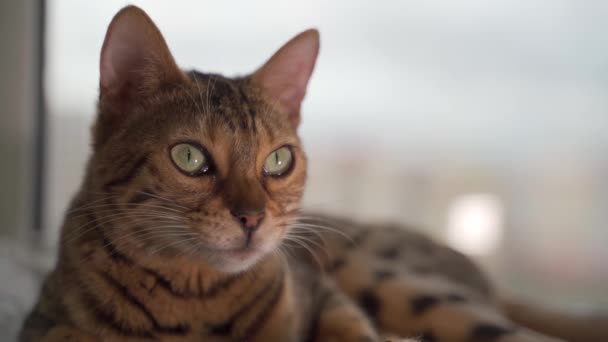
{"x": 240, "y": 259}
{"x": 235, "y": 260}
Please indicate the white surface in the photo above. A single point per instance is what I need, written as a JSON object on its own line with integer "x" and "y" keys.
{"x": 21, "y": 272}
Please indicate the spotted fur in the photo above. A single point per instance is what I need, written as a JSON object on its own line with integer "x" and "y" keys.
{"x": 151, "y": 253}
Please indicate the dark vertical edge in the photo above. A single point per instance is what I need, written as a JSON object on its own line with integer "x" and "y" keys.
{"x": 40, "y": 122}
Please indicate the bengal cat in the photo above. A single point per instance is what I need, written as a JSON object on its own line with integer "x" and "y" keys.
{"x": 187, "y": 224}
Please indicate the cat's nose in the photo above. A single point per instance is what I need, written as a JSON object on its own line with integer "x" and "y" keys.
{"x": 250, "y": 219}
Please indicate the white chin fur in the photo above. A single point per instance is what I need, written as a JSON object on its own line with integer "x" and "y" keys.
{"x": 235, "y": 263}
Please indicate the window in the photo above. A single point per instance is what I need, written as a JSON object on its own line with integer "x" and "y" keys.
{"x": 412, "y": 105}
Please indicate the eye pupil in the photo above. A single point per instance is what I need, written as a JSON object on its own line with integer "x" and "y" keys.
{"x": 278, "y": 162}
{"x": 189, "y": 159}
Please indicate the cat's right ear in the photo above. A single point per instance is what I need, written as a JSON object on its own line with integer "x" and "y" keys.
{"x": 135, "y": 61}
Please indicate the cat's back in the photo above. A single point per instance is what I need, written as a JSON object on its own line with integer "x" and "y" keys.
{"x": 352, "y": 251}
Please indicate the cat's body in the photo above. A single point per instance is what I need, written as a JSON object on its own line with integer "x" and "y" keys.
{"x": 188, "y": 228}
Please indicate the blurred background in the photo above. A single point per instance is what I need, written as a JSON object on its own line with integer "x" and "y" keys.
{"x": 482, "y": 123}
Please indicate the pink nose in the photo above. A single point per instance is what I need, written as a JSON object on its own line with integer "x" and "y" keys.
{"x": 249, "y": 220}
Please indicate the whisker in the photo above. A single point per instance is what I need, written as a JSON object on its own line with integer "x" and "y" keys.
{"x": 128, "y": 210}
{"x": 105, "y": 220}
{"x": 121, "y": 238}
{"x": 307, "y": 248}
{"x": 322, "y": 227}
{"x": 164, "y": 199}
{"x": 282, "y": 253}
{"x": 187, "y": 91}
{"x": 200, "y": 96}
{"x": 129, "y": 205}
{"x": 173, "y": 244}
{"x": 302, "y": 243}
{"x": 151, "y": 235}
{"x": 87, "y": 204}
{"x": 308, "y": 237}
{"x": 196, "y": 247}
{"x": 170, "y": 234}
{"x": 210, "y": 87}
{"x": 320, "y": 246}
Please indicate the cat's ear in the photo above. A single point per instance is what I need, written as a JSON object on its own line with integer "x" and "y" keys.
{"x": 285, "y": 76}
{"x": 135, "y": 60}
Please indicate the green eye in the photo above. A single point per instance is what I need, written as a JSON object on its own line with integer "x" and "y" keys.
{"x": 278, "y": 162}
{"x": 189, "y": 158}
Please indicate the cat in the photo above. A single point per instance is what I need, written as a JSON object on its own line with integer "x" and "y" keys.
{"x": 188, "y": 227}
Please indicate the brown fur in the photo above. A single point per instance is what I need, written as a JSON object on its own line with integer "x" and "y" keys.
{"x": 151, "y": 253}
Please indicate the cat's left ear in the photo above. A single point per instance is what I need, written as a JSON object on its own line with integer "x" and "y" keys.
{"x": 286, "y": 74}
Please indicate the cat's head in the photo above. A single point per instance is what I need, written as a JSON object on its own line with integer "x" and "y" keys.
{"x": 195, "y": 164}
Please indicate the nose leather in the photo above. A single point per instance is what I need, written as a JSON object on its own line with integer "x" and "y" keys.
{"x": 246, "y": 199}
{"x": 249, "y": 220}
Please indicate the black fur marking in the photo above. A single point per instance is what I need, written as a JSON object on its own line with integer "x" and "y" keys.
{"x": 226, "y": 327}
{"x": 133, "y": 171}
{"x": 365, "y": 339}
{"x": 249, "y": 107}
{"x": 222, "y": 329}
{"x": 142, "y": 196}
{"x": 422, "y": 304}
{"x": 210, "y": 96}
{"x": 37, "y": 321}
{"x": 245, "y": 119}
{"x": 165, "y": 283}
{"x": 262, "y": 316}
{"x": 180, "y": 329}
{"x": 369, "y": 302}
{"x": 455, "y": 298}
{"x": 108, "y": 246}
{"x": 322, "y": 301}
{"x": 488, "y": 332}
{"x": 117, "y": 256}
{"x": 225, "y": 283}
{"x": 359, "y": 238}
{"x": 390, "y": 253}
{"x": 194, "y": 74}
{"x": 108, "y": 318}
{"x": 336, "y": 265}
{"x": 219, "y": 91}
{"x": 428, "y": 336}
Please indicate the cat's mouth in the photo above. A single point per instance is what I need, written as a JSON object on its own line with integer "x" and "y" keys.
{"x": 236, "y": 252}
